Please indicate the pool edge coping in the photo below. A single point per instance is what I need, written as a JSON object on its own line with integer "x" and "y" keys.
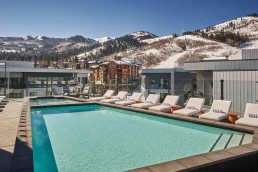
{"x": 196, "y": 161}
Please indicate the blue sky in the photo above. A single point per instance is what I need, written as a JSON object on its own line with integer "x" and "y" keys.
{"x": 98, "y": 18}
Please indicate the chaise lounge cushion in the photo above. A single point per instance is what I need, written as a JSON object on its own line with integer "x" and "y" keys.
{"x": 107, "y": 95}
{"x": 218, "y": 111}
{"x": 142, "y": 105}
{"x": 98, "y": 98}
{"x": 110, "y": 100}
{"x": 160, "y": 108}
{"x": 151, "y": 100}
{"x": 251, "y": 108}
{"x": 120, "y": 96}
{"x": 132, "y": 99}
{"x": 194, "y": 106}
{"x": 169, "y": 101}
{"x": 135, "y": 96}
{"x": 248, "y": 121}
{"x": 213, "y": 116}
{"x": 185, "y": 111}
{"x": 126, "y": 102}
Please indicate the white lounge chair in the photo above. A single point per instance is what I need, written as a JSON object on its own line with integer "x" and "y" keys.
{"x": 193, "y": 106}
{"x": 167, "y": 103}
{"x": 3, "y": 100}
{"x": 120, "y": 96}
{"x": 86, "y": 92}
{"x": 218, "y": 111}
{"x": 250, "y": 117}
{"x": 131, "y": 100}
{"x": 107, "y": 95}
{"x": 151, "y": 100}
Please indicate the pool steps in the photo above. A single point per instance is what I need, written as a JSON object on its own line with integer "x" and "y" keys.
{"x": 231, "y": 140}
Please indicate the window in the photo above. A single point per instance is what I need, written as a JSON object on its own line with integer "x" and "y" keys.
{"x": 164, "y": 83}
{"x": 37, "y": 82}
{"x": 153, "y": 83}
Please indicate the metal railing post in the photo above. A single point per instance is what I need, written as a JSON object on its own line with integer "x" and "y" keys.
{"x": 222, "y": 89}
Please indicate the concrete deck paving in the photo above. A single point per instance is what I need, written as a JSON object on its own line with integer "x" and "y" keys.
{"x": 9, "y": 124}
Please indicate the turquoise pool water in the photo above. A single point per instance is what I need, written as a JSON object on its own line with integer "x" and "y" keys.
{"x": 51, "y": 101}
{"x": 98, "y": 138}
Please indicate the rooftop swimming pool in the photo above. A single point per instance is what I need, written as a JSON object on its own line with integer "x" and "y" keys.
{"x": 99, "y": 138}
{"x": 51, "y": 101}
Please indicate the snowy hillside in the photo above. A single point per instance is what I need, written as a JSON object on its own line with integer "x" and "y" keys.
{"x": 169, "y": 52}
{"x": 34, "y": 45}
{"x": 243, "y": 26}
{"x": 214, "y": 42}
{"x": 149, "y": 41}
{"x": 110, "y": 46}
{"x": 199, "y": 48}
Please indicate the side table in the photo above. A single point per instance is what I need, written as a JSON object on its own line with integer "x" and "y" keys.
{"x": 174, "y": 107}
{"x": 232, "y": 117}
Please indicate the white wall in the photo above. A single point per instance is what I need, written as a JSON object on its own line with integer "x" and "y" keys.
{"x": 240, "y": 87}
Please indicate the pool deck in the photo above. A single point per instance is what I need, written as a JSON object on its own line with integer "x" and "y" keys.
{"x": 16, "y": 143}
{"x": 10, "y": 124}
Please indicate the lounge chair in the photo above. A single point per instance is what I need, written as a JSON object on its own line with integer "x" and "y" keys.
{"x": 120, "y": 96}
{"x": 67, "y": 92}
{"x": 107, "y": 95}
{"x": 135, "y": 97}
{"x": 54, "y": 92}
{"x": 86, "y": 92}
{"x": 218, "y": 111}
{"x": 151, "y": 100}
{"x": 193, "y": 106}
{"x": 3, "y": 100}
{"x": 250, "y": 116}
{"x": 167, "y": 103}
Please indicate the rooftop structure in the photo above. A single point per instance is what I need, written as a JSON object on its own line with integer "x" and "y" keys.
{"x": 234, "y": 80}
{"x": 173, "y": 81}
{"x": 22, "y": 79}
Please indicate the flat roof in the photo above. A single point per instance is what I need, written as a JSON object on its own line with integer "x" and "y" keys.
{"x": 43, "y": 70}
{"x": 162, "y": 70}
{"x": 247, "y": 64}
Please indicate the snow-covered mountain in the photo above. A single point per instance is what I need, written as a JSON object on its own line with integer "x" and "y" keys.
{"x": 142, "y": 35}
{"x": 217, "y": 41}
{"x": 42, "y": 44}
{"x": 104, "y": 39}
{"x": 243, "y": 25}
{"x": 111, "y": 46}
{"x": 171, "y": 51}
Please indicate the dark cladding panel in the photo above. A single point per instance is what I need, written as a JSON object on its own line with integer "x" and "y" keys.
{"x": 185, "y": 76}
{"x": 222, "y": 65}
{"x": 158, "y": 75}
{"x": 46, "y": 74}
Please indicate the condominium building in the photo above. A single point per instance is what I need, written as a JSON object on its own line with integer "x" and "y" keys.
{"x": 116, "y": 75}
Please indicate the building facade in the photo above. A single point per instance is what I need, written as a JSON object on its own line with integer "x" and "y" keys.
{"x": 115, "y": 75}
{"x": 169, "y": 81}
{"x": 19, "y": 79}
{"x": 234, "y": 80}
